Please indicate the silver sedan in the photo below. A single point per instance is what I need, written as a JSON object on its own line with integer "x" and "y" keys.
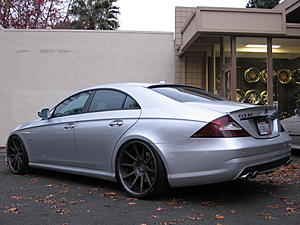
{"x": 292, "y": 126}
{"x": 151, "y": 136}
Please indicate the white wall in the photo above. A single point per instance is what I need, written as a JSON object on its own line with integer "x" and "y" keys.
{"x": 39, "y": 68}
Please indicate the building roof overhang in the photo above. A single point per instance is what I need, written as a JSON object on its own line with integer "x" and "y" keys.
{"x": 235, "y": 21}
{"x": 288, "y": 5}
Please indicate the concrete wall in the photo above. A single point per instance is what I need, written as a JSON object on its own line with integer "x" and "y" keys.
{"x": 39, "y": 68}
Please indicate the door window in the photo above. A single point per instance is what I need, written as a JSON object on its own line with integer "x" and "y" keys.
{"x": 130, "y": 103}
{"x": 107, "y": 100}
{"x": 72, "y": 105}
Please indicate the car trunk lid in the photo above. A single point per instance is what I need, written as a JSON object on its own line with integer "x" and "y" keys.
{"x": 259, "y": 121}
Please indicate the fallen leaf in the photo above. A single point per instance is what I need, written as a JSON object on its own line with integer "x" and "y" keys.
{"x": 194, "y": 218}
{"x": 209, "y": 203}
{"x": 232, "y": 211}
{"x": 109, "y": 194}
{"x": 199, "y": 213}
{"x": 290, "y": 211}
{"x": 107, "y": 205}
{"x": 63, "y": 211}
{"x": 218, "y": 216}
{"x": 271, "y": 217}
{"x": 77, "y": 202}
{"x": 53, "y": 184}
{"x": 131, "y": 199}
{"x": 17, "y": 197}
{"x": 160, "y": 209}
{"x": 92, "y": 191}
{"x": 13, "y": 210}
{"x": 64, "y": 191}
{"x": 274, "y": 206}
{"x": 132, "y": 203}
{"x": 262, "y": 213}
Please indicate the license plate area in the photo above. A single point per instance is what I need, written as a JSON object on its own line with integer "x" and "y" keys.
{"x": 264, "y": 127}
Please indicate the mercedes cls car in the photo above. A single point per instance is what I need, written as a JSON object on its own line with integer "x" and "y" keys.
{"x": 149, "y": 137}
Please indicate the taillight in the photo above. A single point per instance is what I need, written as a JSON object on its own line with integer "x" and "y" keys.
{"x": 222, "y": 127}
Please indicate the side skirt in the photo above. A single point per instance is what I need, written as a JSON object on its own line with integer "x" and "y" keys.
{"x": 76, "y": 170}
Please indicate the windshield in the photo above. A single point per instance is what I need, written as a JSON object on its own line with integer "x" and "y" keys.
{"x": 186, "y": 93}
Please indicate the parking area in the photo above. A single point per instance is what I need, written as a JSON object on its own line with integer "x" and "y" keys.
{"x": 47, "y": 197}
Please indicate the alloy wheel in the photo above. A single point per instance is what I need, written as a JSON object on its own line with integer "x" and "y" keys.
{"x": 16, "y": 156}
{"x": 137, "y": 168}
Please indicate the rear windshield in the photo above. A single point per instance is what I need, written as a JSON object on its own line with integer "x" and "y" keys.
{"x": 186, "y": 93}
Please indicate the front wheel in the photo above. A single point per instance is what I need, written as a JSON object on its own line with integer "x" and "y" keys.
{"x": 16, "y": 156}
{"x": 140, "y": 170}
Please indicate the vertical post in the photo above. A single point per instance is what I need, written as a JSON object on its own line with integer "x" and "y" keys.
{"x": 270, "y": 71}
{"x": 233, "y": 68}
{"x": 222, "y": 77}
{"x": 183, "y": 69}
{"x": 206, "y": 72}
{"x": 213, "y": 69}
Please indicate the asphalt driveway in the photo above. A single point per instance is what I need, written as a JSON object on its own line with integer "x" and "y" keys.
{"x": 47, "y": 197}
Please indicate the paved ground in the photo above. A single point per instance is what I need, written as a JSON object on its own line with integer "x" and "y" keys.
{"x": 45, "y": 197}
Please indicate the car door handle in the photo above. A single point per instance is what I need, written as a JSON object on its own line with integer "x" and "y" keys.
{"x": 116, "y": 123}
{"x": 69, "y": 126}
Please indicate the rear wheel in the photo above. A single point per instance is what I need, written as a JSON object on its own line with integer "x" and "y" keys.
{"x": 16, "y": 156}
{"x": 140, "y": 170}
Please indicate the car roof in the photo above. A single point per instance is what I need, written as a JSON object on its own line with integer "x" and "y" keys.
{"x": 128, "y": 85}
{"x": 121, "y": 85}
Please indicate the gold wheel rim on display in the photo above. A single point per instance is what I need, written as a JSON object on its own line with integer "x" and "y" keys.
{"x": 253, "y": 97}
{"x": 296, "y": 76}
{"x": 264, "y": 75}
{"x": 284, "y": 115}
{"x": 264, "y": 97}
{"x": 240, "y": 95}
{"x": 284, "y": 76}
{"x": 251, "y": 75}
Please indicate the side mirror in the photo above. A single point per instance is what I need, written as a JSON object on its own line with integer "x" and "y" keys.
{"x": 44, "y": 113}
{"x": 297, "y": 111}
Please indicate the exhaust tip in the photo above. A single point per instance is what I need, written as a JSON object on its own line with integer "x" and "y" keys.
{"x": 288, "y": 162}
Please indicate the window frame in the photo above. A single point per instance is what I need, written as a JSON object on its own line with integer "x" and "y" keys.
{"x": 84, "y": 107}
{"x": 110, "y": 89}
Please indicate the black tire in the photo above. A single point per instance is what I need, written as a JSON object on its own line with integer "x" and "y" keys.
{"x": 16, "y": 154}
{"x": 140, "y": 170}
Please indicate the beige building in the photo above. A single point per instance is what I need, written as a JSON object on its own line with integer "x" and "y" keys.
{"x": 248, "y": 55}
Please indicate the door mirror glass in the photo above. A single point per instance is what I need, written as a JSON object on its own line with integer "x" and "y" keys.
{"x": 297, "y": 111}
{"x": 44, "y": 113}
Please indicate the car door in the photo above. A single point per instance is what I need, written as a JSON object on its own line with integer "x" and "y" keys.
{"x": 111, "y": 114}
{"x": 52, "y": 141}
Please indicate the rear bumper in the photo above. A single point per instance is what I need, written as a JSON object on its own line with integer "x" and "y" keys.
{"x": 212, "y": 160}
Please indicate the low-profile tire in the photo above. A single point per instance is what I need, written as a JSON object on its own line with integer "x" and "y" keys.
{"x": 140, "y": 170}
{"x": 16, "y": 154}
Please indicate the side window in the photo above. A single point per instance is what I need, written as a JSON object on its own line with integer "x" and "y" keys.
{"x": 130, "y": 103}
{"x": 73, "y": 105}
{"x": 107, "y": 100}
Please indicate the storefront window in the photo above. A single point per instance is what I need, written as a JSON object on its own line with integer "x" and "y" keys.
{"x": 286, "y": 63}
{"x": 251, "y": 70}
